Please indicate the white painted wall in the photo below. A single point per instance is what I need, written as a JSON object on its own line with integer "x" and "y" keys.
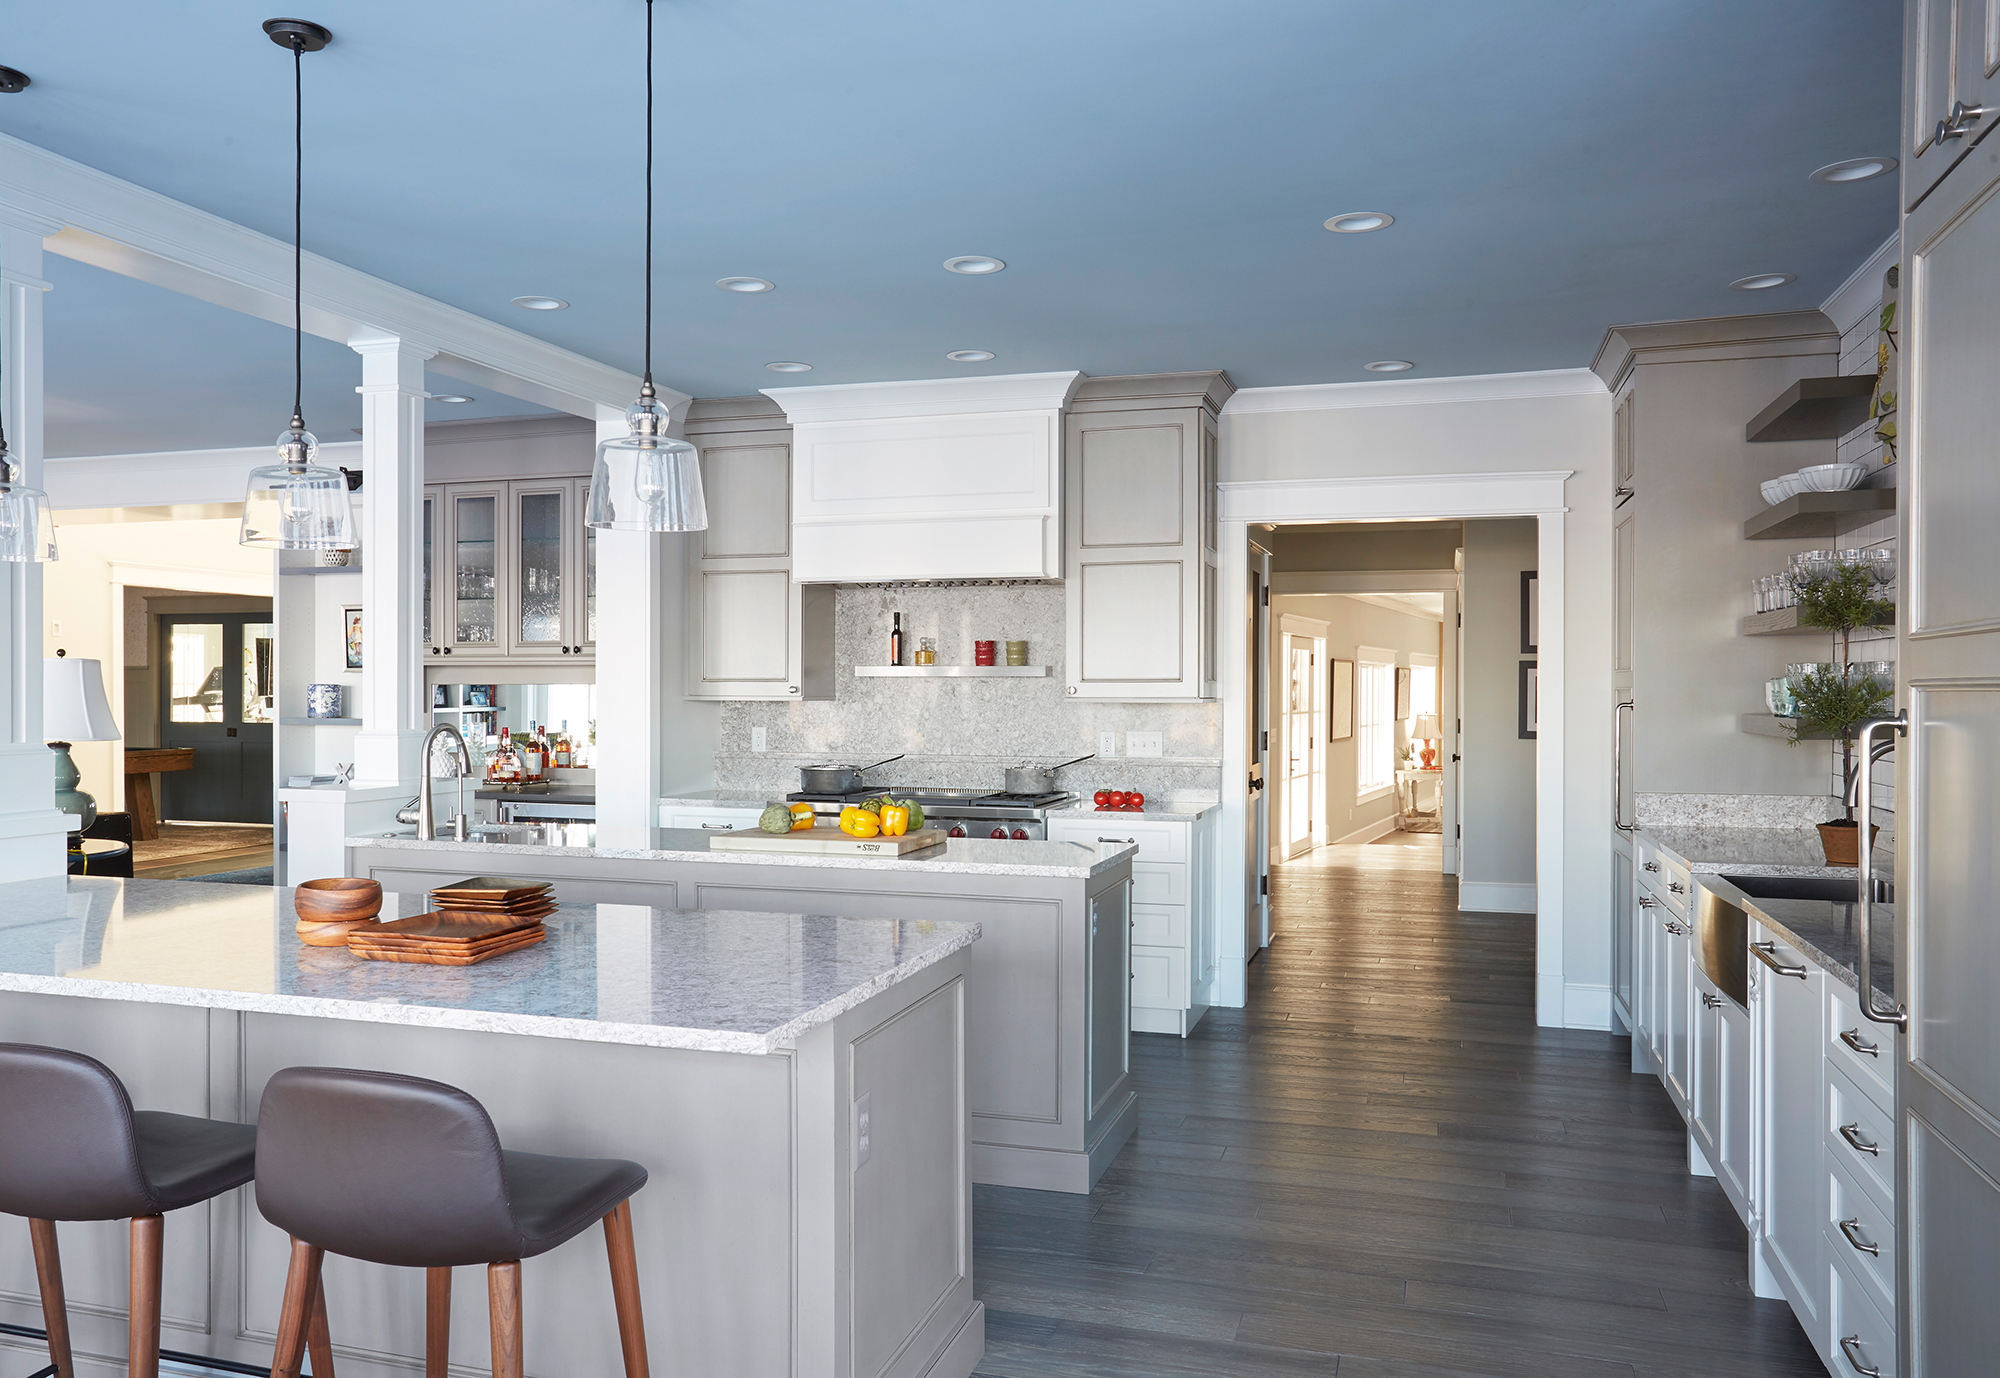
{"x": 1499, "y": 424}
{"x": 1498, "y": 771}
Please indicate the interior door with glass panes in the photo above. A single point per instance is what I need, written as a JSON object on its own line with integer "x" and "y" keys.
{"x": 540, "y": 616}
{"x": 474, "y": 600}
{"x": 218, "y": 695}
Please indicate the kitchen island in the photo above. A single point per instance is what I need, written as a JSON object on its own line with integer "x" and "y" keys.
{"x": 724, "y": 1051}
{"x": 1049, "y": 983}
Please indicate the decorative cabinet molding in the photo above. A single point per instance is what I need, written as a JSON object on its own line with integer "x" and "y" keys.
{"x": 754, "y": 631}
{"x": 937, "y": 479}
{"x": 1139, "y": 544}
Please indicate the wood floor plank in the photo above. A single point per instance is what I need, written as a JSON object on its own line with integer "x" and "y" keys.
{"x": 1383, "y": 1169}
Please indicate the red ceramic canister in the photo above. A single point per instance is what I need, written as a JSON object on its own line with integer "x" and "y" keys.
{"x": 982, "y": 652}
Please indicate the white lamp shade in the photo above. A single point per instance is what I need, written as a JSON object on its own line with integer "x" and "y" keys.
{"x": 74, "y": 708}
{"x": 1425, "y": 726}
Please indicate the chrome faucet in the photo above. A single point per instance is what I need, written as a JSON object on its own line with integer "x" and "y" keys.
{"x": 462, "y": 759}
{"x": 1880, "y": 749}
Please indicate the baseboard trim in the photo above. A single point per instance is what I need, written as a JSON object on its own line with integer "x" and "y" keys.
{"x": 1380, "y": 828}
{"x": 963, "y": 1351}
{"x": 1586, "y": 1006}
{"x": 1496, "y": 897}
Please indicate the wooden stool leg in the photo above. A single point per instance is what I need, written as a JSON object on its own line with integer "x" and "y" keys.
{"x": 319, "y": 1339}
{"x": 437, "y": 1321}
{"x": 55, "y": 1311}
{"x": 301, "y": 1290}
{"x": 625, "y": 1289}
{"x": 139, "y": 803}
{"x": 142, "y": 1338}
{"x": 503, "y": 1302}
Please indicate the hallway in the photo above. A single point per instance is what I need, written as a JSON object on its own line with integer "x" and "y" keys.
{"x": 1383, "y": 1169}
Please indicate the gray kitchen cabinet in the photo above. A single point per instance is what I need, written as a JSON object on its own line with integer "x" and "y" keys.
{"x": 1139, "y": 536}
{"x": 1785, "y": 1010}
{"x": 1951, "y": 65}
{"x": 509, "y": 572}
{"x": 754, "y": 632}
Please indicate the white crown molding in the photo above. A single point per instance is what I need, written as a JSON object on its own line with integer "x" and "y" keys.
{"x": 1412, "y": 392}
{"x": 1003, "y": 392}
{"x": 1858, "y": 297}
{"x": 114, "y": 224}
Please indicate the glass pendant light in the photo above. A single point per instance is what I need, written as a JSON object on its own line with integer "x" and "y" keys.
{"x": 296, "y": 504}
{"x": 646, "y": 480}
{"x": 27, "y": 527}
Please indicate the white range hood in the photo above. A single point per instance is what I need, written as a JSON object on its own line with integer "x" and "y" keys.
{"x": 943, "y": 478}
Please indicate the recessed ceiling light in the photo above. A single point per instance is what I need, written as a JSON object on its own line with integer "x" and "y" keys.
{"x": 969, "y": 356}
{"x": 541, "y": 303}
{"x": 1389, "y": 366}
{"x": 744, "y": 284}
{"x": 788, "y": 366}
{"x": 1853, "y": 170}
{"x": 449, "y": 397}
{"x": 1360, "y": 222}
{"x": 1763, "y": 282}
{"x": 974, "y": 265}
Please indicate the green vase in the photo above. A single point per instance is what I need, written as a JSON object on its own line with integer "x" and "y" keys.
{"x": 70, "y": 799}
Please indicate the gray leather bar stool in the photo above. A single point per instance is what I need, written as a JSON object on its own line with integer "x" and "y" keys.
{"x": 409, "y": 1172}
{"x": 73, "y": 1148}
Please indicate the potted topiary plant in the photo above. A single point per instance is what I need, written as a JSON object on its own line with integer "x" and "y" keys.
{"x": 1831, "y": 699}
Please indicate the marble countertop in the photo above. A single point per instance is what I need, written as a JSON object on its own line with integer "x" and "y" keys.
{"x": 958, "y": 856}
{"x": 720, "y": 799}
{"x": 1176, "y": 809}
{"x": 716, "y": 981}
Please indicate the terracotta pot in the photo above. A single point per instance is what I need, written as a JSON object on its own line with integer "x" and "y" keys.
{"x": 1840, "y": 841}
{"x": 330, "y": 909}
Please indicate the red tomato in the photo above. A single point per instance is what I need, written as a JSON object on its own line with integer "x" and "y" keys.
{"x": 1114, "y": 799}
{"x": 1101, "y": 798}
{"x": 1135, "y": 800}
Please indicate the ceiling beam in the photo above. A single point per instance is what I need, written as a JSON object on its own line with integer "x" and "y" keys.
{"x": 116, "y": 225}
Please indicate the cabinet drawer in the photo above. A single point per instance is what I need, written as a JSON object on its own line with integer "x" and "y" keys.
{"x": 1865, "y": 1050}
{"x": 1861, "y": 1340}
{"x": 710, "y": 820}
{"x": 1159, "y": 978}
{"x": 1854, "y": 1125}
{"x": 1855, "y": 1225}
{"x": 1156, "y": 841}
{"x": 1159, "y": 925}
{"x": 1159, "y": 882}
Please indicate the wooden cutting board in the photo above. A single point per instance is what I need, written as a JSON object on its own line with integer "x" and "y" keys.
{"x": 447, "y": 926}
{"x": 824, "y": 841}
{"x": 451, "y": 959}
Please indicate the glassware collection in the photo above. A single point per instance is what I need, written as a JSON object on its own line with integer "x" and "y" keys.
{"x": 1770, "y": 592}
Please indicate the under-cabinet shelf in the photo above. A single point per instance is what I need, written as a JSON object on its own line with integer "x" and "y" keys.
{"x": 1819, "y": 515}
{"x": 1815, "y": 409}
{"x": 1785, "y": 622}
{"x": 319, "y": 722}
{"x": 952, "y": 671}
{"x": 1765, "y": 725}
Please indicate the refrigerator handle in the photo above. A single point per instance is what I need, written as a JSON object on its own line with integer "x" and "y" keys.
{"x": 1864, "y": 871}
{"x": 1617, "y": 770}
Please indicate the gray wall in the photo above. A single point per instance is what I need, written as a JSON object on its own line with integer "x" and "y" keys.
{"x": 1498, "y": 772}
{"x": 1357, "y": 546}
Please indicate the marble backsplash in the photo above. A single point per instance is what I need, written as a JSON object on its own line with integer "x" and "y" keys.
{"x": 962, "y": 733}
{"x": 1734, "y": 810}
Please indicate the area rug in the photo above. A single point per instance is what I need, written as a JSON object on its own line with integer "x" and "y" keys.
{"x": 191, "y": 839}
{"x": 255, "y": 875}
{"x": 1421, "y": 824}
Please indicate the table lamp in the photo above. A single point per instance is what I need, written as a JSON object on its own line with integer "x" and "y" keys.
{"x": 74, "y": 709}
{"x": 1426, "y": 727}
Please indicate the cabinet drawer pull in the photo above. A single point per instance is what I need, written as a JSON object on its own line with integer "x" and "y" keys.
{"x": 718, "y": 827}
{"x": 1767, "y": 953}
{"x": 1128, "y": 841}
{"x": 1849, "y": 1228}
{"x": 1850, "y": 1345}
{"x": 1652, "y": 865}
{"x": 1852, "y": 1133}
{"x": 1710, "y": 1001}
{"x": 1852, "y": 1038}
{"x": 1673, "y": 928}
{"x": 1677, "y": 887}
{"x": 1646, "y": 901}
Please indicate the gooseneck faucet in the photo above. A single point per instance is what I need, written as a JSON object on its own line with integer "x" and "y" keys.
{"x": 462, "y": 763}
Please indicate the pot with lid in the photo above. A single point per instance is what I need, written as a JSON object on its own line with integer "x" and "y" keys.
{"x": 1037, "y": 779}
{"x": 837, "y": 779}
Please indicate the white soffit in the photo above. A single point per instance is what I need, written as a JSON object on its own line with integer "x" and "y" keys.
{"x": 1411, "y": 392}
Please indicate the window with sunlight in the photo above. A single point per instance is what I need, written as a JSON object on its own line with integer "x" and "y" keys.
{"x": 1374, "y": 726}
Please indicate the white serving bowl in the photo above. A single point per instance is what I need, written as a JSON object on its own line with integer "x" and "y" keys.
{"x": 1774, "y": 491}
{"x": 1832, "y": 478}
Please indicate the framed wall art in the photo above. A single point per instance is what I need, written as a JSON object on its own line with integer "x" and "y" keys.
{"x": 1530, "y": 698}
{"x": 350, "y": 624}
{"x": 1531, "y": 612}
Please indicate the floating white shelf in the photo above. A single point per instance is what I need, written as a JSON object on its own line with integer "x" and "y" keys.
{"x": 952, "y": 671}
{"x": 320, "y": 722}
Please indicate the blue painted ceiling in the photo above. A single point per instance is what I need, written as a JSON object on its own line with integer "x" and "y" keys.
{"x": 1155, "y": 175}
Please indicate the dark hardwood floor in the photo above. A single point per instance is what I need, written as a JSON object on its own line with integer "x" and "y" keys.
{"x": 1383, "y": 1169}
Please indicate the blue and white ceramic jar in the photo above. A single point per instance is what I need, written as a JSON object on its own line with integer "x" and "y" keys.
{"x": 323, "y": 700}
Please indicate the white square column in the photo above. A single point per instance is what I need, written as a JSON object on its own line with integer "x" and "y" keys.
{"x": 32, "y": 833}
{"x": 629, "y": 726}
{"x": 394, "y": 709}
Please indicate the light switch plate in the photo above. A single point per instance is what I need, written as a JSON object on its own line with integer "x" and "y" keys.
{"x": 863, "y": 1130}
{"x": 1107, "y": 745}
{"x": 757, "y": 739}
{"x": 1145, "y": 743}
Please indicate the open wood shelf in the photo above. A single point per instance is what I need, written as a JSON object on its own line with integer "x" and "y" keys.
{"x": 1820, "y": 515}
{"x": 1815, "y": 409}
{"x": 1764, "y": 725}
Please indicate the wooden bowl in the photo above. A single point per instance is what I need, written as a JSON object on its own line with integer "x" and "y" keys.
{"x": 330, "y": 909}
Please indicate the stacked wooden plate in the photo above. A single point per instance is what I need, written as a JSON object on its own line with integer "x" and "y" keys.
{"x": 474, "y": 921}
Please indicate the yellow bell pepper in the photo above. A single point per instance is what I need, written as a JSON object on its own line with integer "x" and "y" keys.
{"x": 895, "y": 820}
{"x": 803, "y": 817}
{"x": 859, "y": 823}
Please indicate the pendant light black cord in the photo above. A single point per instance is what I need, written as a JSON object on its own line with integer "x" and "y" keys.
{"x": 649, "y": 197}
{"x": 298, "y": 222}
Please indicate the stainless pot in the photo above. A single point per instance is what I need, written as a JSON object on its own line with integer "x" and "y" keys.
{"x": 1037, "y": 779}
{"x": 836, "y": 779}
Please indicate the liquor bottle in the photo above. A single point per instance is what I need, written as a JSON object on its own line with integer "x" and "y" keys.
{"x": 508, "y": 760}
{"x": 562, "y": 746}
{"x": 896, "y": 641}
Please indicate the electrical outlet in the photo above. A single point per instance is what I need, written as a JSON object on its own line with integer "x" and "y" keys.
{"x": 1107, "y": 745}
{"x": 863, "y": 1130}
{"x": 757, "y": 739}
{"x": 1145, "y": 743}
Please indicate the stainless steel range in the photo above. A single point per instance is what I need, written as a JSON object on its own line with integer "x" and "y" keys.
{"x": 960, "y": 812}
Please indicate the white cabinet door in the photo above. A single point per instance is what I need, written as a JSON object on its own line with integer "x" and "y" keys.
{"x": 474, "y": 566}
{"x": 1790, "y": 1172}
{"x": 1705, "y": 1074}
{"x": 1623, "y": 896}
{"x": 433, "y": 547}
{"x": 541, "y": 561}
{"x": 583, "y": 572}
{"x": 1677, "y": 1017}
{"x": 1732, "y": 1130}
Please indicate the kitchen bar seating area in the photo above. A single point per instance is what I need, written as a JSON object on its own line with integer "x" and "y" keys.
{"x": 683, "y": 690}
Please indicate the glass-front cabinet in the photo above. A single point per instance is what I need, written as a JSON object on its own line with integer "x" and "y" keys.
{"x": 509, "y": 571}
